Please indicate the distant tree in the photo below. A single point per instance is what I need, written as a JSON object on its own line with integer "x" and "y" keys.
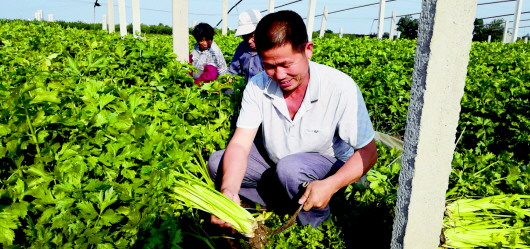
{"x": 408, "y": 27}
{"x": 482, "y": 31}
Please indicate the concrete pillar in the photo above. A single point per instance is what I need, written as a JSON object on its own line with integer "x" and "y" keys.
{"x": 381, "y": 19}
{"x": 110, "y": 13}
{"x": 180, "y": 30}
{"x": 50, "y": 18}
{"x": 137, "y": 29}
{"x": 341, "y": 31}
{"x": 398, "y": 34}
{"x": 526, "y": 39}
{"x": 489, "y": 38}
{"x": 392, "y": 26}
{"x": 271, "y": 6}
{"x": 122, "y": 17}
{"x": 311, "y": 18}
{"x": 104, "y": 22}
{"x": 505, "y": 33}
{"x": 442, "y": 56}
{"x": 518, "y": 9}
{"x": 225, "y": 17}
{"x": 323, "y": 23}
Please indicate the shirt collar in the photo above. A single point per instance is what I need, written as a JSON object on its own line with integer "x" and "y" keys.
{"x": 313, "y": 88}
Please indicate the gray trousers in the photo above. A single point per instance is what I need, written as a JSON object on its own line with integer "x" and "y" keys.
{"x": 278, "y": 186}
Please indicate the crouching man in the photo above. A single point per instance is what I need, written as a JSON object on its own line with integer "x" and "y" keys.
{"x": 315, "y": 128}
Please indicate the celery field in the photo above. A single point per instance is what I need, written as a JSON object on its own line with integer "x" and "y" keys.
{"x": 97, "y": 131}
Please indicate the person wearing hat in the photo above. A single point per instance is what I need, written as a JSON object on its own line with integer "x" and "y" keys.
{"x": 246, "y": 60}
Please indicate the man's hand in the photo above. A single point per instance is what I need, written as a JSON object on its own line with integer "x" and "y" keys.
{"x": 317, "y": 194}
{"x": 232, "y": 196}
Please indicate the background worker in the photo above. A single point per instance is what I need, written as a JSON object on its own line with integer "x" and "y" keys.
{"x": 206, "y": 56}
{"x": 246, "y": 61}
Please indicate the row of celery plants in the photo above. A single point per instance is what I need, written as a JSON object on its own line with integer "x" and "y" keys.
{"x": 93, "y": 129}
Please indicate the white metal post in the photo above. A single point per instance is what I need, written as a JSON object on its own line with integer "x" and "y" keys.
{"x": 311, "y": 18}
{"x": 518, "y": 9}
{"x": 38, "y": 15}
{"x": 341, "y": 32}
{"x": 123, "y": 17}
{"x": 489, "y": 38}
{"x": 180, "y": 30}
{"x": 104, "y": 22}
{"x": 526, "y": 39}
{"x": 324, "y": 21}
{"x": 392, "y": 26}
{"x": 225, "y": 17}
{"x": 110, "y": 12}
{"x": 505, "y": 33}
{"x": 271, "y": 6}
{"x": 381, "y": 19}
{"x": 136, "y": 18}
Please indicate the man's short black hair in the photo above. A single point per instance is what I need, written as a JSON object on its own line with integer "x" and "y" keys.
{"x": 203, "y": 30}
{"x": 280, "y": 28}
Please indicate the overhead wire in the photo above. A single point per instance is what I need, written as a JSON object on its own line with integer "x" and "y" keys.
{"x": 283, "y": 5}
{"x": 356, "y": 7}
{"x": 332, "y": 12}
{"x": 229, "y": 11}
{"x": 495, "y": 2}
{"x": 489, "y": 17}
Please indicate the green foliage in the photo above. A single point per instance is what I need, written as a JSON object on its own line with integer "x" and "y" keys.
{"x": 327, "y": 235}
{"x": 495, "y": 113}
{"x": 408, "y": 27}
{"x": 490, "y": 174}
{"x": 482, "y": 31}
{"x": 93, "y": 126}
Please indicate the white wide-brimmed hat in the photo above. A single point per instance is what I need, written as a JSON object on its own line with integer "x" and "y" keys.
{"x": 248, "y": 21}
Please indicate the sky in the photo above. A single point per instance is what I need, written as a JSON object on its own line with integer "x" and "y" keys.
{"x": 358, "y": 21}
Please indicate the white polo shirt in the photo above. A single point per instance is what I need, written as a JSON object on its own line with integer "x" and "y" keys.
{"x": 332, "y": 119}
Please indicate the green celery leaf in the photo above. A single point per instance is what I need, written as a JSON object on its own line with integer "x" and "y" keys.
{"x": 45, "y": 96}
{"x": 87, "y": 210}
{"x": 110, "y": 217}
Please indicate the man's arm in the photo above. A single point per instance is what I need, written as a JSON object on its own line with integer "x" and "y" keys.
{"x": 235, "y": 165}
{"x": 236, "y": 158}
{"x": 319, "y": 192}
{"x": 219, "y": 59}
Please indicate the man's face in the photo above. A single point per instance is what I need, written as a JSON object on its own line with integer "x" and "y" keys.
{"x": 249, "y": 39}
{"x": 204, "y": 44}
{"x": 288, "y": 68}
